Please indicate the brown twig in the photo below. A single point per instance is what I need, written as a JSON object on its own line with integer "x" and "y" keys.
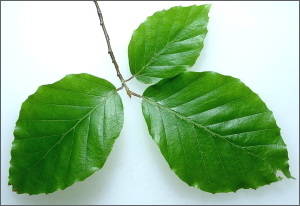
{"x": 129, "y": 79}
{"x": 111, "y": 52}
{"x": 135, "y": 94}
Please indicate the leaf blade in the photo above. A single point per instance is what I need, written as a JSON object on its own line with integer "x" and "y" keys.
{"x": 64, "y": 133}
{"x": 213, "y": 141}
{"x": 167, "y": 43}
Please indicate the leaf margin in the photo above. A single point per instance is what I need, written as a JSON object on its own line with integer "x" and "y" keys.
{"x": 157, "y": 138}
{"x": 113, "y": 94}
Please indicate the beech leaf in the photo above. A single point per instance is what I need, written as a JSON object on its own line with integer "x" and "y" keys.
{"x": 215, "y": 133}
{"x": 167, "y": 43}
{"x": 64, "y": 133}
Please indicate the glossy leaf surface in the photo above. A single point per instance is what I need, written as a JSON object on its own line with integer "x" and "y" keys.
{"x": 168, "y": 42}
{"x": 64, "y": 133}
{"x": 215, "y": 133}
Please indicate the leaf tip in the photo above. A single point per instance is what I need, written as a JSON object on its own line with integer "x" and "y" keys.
{"x": 208, "y": 6}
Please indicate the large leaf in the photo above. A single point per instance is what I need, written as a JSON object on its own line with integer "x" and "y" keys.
{"x": 168, "y": 42}
{"x": 64, "y": 133}
{"x": 215, "y": 133}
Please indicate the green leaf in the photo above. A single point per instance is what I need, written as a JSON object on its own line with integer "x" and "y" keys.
{"x": 215, "y": 133}
{"x": 64, "y": 133}
{"x": 167, "y": 43}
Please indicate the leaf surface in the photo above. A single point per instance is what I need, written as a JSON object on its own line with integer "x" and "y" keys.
{"x": 215, "y": 133}
{"x": 64, "y": 133}
{"x": 168, "y": 42}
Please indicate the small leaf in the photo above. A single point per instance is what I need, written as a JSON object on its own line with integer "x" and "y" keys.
{"x": 168, "y": 43}
{"x": 215, "y": 133}
{"x": 64, "y": 133}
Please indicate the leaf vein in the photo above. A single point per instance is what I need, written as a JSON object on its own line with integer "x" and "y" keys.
{"x": 164, "y": 48}
{"x": 172, "y": 24}
{"x": 66, "y": 105}
{"x": 101, "y": 85}
{"x": 69, "y": 161}
{"x": 257, "y": 169}
{"x": 226, "y": 136}
{"x": 218, "y": 106}
{"x": 87, "y": 141}
{"x": 74, "y": 127}
{"x": 202, "y": 95}
{"x": 160, "y": 20}
{"x": 198, "y": 125}
{"x": 194, "y": 81}
{"x": 201, "y": 153}
{"x": 76, "y": 92}
{"x": 50, "y": 179}
{"x": 38, "y": 137}
{"x": 180, "y": 52}
{"x": 188, "y": 25}
{"x": 183, "y": 150}
{"x": 223, "y": 167}
{"x": 239, "y": 162}
{"x": 237, "y": 118}
{"x": 164, "y": 131}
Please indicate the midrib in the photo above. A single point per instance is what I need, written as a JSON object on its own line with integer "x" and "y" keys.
{"x": 63, "y": 135}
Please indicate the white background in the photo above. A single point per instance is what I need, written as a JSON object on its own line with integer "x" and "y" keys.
{"x": 41, "y": 42}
